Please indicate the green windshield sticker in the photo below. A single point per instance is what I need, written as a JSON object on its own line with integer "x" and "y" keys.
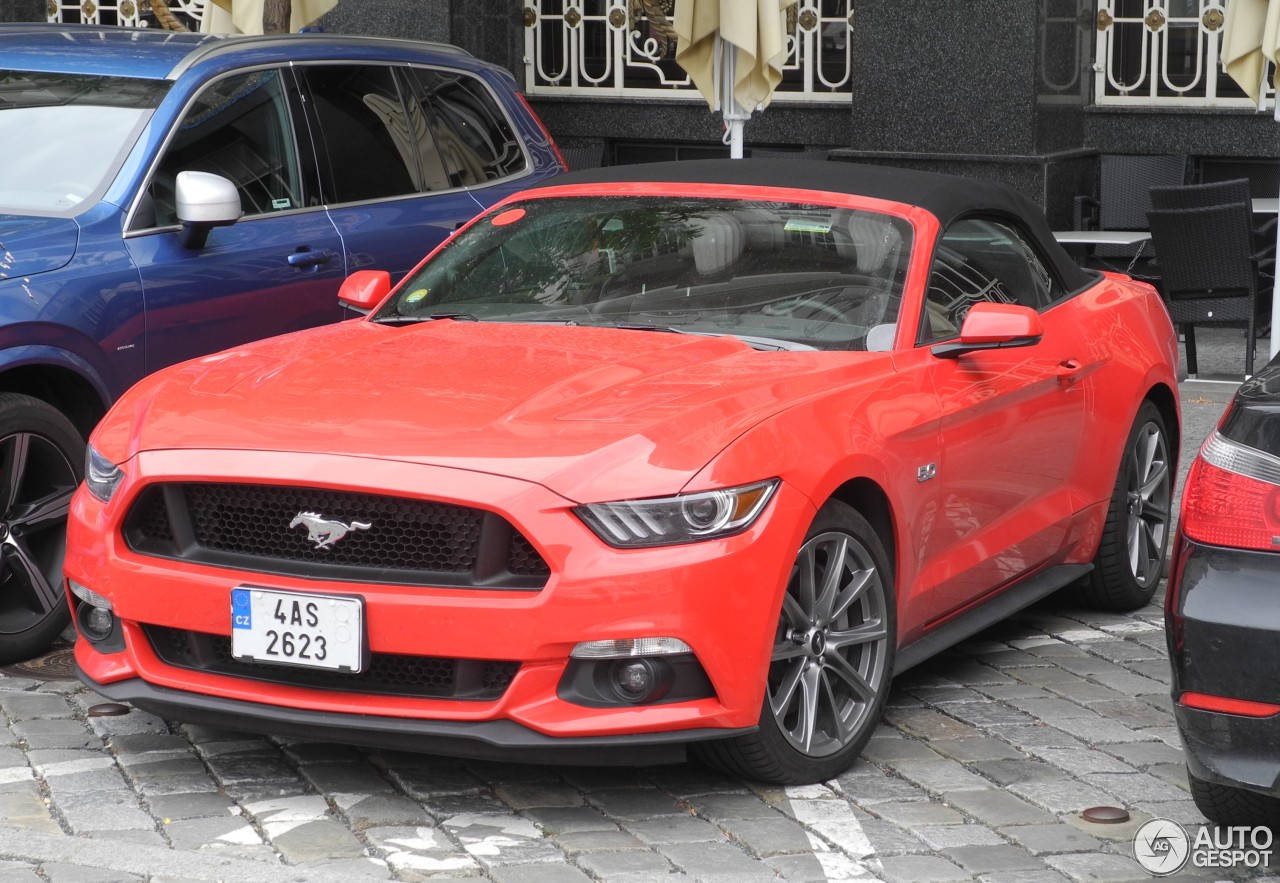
{"x": 414, "y": 296}
{"x": 281, "y": 203}
{"x": 805, "y": 225}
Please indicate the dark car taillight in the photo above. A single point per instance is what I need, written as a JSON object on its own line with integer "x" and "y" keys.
{"x": 1232, "y": 497}
{"x": 1227, "y": 705}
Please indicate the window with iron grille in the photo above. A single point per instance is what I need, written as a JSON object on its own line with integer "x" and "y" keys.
{"x": 626, "y": 48}
{"x": 124, "y": 13}
{"x": 1164, "y": 53}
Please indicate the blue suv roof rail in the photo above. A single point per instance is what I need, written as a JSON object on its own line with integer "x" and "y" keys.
{"x": 240, "y": 42}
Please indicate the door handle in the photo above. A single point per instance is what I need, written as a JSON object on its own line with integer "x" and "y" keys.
{"x": 1068, "y": 371}
{"x": 310, "y": 257}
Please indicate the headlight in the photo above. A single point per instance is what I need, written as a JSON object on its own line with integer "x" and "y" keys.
{"x": 101, "y": 476}
{"x": 686, "y": 518}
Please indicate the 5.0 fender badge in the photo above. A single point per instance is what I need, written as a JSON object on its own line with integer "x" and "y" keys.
{"x": 324, "y": 532}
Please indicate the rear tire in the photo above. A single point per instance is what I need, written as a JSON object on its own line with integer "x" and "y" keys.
{"x": 1227, "y": 805}
{"x": 832, "y": 659}
{"x": 1131, "y": 555}
{"x": 41, "y": 463}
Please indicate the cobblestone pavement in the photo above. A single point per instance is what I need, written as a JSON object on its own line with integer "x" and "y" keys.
{"x": 980, "y": 770}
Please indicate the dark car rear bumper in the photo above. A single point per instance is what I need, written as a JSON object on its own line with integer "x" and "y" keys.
{"x": 1223, "y": 625}
{"x": 483, "y": 740}
{"x": 1230, "y": 749}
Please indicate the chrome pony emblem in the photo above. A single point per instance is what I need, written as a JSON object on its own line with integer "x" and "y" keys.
{"x": 324, "y": 532}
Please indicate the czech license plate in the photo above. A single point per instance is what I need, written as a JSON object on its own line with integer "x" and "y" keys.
{"x": 297, "y": 628}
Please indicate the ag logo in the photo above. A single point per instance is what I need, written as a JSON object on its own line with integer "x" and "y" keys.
{"x": 1162, "y": 847}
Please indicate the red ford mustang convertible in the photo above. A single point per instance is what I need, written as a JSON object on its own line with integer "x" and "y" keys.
{"x": 693, "y": 454}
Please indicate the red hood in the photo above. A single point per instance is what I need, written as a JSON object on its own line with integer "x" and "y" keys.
{"x": 560, "y": 406}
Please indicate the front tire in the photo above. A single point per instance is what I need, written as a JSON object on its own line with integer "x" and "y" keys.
{"x": 1131, "y": 555}
{"x": 41, "y": 463}
{"x": 832, "y": 659}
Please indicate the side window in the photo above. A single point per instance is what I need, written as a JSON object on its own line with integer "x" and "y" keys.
{"x": 238, "y": 127}
{"x": 369, "y": 139}
{"x": 472, "y": 133}
{"x": 982, "y": 260}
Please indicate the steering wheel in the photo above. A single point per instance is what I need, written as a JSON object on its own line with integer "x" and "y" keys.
{"x": 833, "y": 314}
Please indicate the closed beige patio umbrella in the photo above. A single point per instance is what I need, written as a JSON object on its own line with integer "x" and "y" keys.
{"x": 1251, "y": 39}
{"x": 1251, "y": 42}
{"x": 733, "y": 50}
{"x": 245, "y": 16}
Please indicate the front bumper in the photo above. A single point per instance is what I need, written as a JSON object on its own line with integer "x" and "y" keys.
{"x": 720, "y": 597}
{"x": 479, "y": 740}
{"x": 1223, "y": 627}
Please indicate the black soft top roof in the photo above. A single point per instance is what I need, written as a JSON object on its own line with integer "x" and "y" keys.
{"x": 947, "y": 197}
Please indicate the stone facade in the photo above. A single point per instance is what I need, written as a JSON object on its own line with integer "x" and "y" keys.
{"x": 986, "y": 88}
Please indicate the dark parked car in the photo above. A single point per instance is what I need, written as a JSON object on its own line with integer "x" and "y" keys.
{"x": 163, "y": 196}
{"x": 1221, "y": 614}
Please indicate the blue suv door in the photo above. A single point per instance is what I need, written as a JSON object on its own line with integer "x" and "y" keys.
{"x": 275, "y": 270}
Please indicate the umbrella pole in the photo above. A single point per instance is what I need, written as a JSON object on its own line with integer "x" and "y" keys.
{"x": 733, "y": 133}
{"x": 730, "y": 110}
{"x": 1275, "y": 286}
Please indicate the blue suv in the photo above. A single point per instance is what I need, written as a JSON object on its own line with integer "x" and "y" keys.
{"x": 164, "y": 196}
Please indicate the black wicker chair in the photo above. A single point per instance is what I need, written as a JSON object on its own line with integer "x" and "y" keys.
{"x": 1123, "y": 188}
{"x": 1210, "y": 270}
{"x": 1236, "y": 190}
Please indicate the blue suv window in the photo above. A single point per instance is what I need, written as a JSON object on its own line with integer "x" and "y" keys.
{"x": 469, "y": 127}
{"x": 371, "y": 139}
{"x": 238, "y": 128}
{"x": 387, "y": 133}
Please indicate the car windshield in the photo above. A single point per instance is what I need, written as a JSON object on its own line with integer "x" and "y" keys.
{"x": 780, "y": 275}
{"x": 42, "y": 113}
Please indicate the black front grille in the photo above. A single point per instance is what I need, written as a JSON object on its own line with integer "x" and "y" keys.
{"x": 391, "y": 674}
{"x": 332, "y": 534}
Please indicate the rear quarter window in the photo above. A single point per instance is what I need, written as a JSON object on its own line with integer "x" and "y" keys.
{"x": 470, "y": 128}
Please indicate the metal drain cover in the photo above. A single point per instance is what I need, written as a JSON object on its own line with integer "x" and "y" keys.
{"x": 59, "y": 664}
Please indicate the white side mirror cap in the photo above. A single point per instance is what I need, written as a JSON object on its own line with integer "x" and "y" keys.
{"x": 206, "y": 198}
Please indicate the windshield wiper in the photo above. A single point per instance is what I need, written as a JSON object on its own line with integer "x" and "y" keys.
{"x": 637, "y": 326}
{"x": 756, "y": 343}
{"x": 413, "y": 320}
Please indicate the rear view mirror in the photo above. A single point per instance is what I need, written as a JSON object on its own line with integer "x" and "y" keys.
{"x": 204, "y": 201}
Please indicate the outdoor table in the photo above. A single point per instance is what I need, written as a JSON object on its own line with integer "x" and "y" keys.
{"x": 1101, "y": 237}
{"x": 1266, "y": 205}
{"x": 1078, "y": 241}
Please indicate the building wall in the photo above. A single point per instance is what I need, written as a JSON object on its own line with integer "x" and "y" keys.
{"x": 988, "y": 88}
{"x": 960, "y": 88}
{"x": 409, "y": 19}
{"x": 22, "y": 10}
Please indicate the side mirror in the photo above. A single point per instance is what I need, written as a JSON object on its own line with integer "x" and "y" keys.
{"x": 991, "y": 326}
{"x": 204, "y": 201}
{"x": 364, "y": 289}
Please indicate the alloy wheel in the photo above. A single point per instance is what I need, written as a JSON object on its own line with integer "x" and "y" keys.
{"x": 1149, "y": 495}
{"x": 830, "y": 655}
{"x": 37, "y": 481}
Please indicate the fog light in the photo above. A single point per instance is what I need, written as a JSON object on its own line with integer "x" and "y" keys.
{"x": 97, "y": 624}
{"x": 634, "y": 679}
{"x": 98, "y": 621}
{"x": 94, "y": 616}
